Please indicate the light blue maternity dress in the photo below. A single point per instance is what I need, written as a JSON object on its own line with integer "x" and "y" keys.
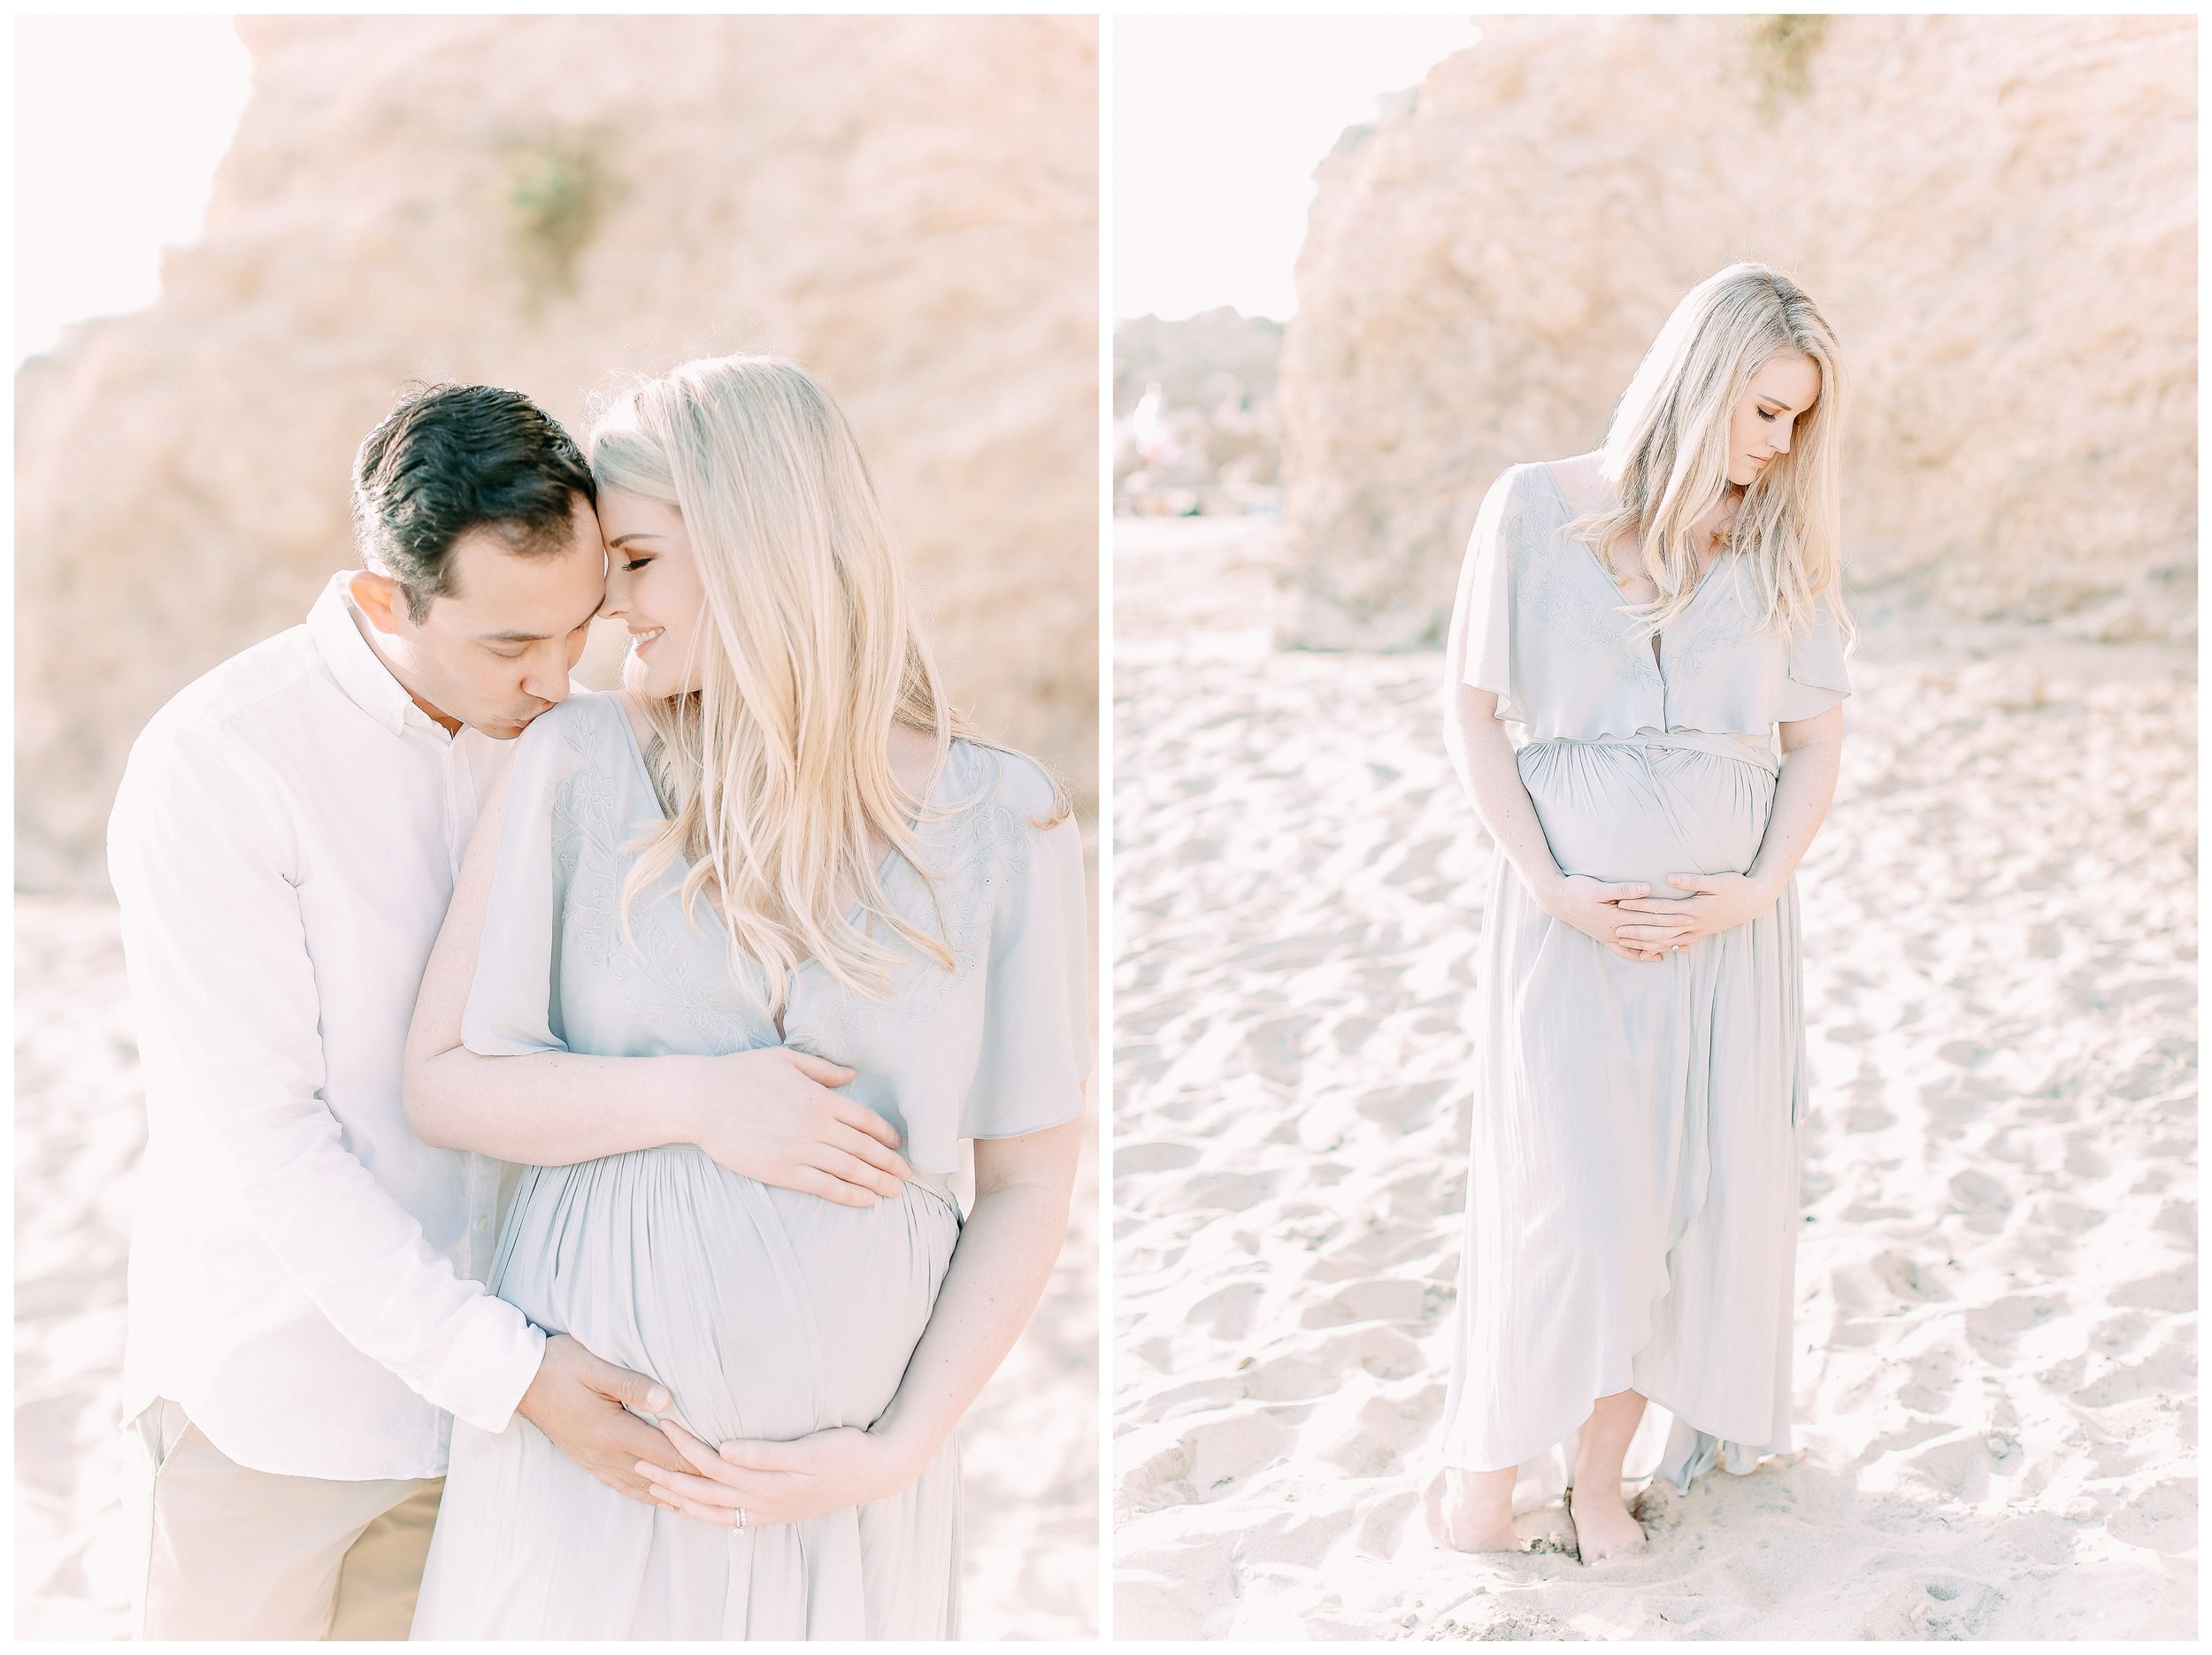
{"x": 1632, "y": 1184}
{"x": 765, "y": 1312}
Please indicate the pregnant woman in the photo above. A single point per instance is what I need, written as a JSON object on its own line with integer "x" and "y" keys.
{"x": 775, "y": 835}
{"x": 1638, "y": 630}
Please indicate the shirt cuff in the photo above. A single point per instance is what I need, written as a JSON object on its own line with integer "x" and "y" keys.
{"x": 483, "y": 1379}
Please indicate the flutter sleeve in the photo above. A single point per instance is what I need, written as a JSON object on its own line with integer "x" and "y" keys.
{"x": 1479, "y": 648}
{"x": 511, "y": 1010}
{"x": 1816, "y": 680}
{"x": 1035, "y": 1051}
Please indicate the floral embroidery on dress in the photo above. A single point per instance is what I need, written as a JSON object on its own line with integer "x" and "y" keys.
{"x": 585, "y": 800}
{"x": 1562, "y": 593}
{"x": 700, "y": 998}
{"x": 1719, "y": 666}
{"x": 974, "y": 849}
{"x": 1696, "y": 633}
{"x": 690, "y": 998}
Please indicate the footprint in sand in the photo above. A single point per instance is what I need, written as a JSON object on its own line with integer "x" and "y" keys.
{"x": 1158, "y": 1481}
{"x": 1389, "y": 1300}
{"x": 1380, "y": 1351}
{"x": 1399, "y": 1108}
{"x": 1912, "y": 1280}
{"x": 2170, "y": 1372}
{"x": 2163, "y": 1518}
{"x": 1228, "y": 1450}
{"x": 1137, "y": 1158}
{"x": 1947, "y": 1606}
{"x": 1963, "y": 1467}
{"x": 1227, "y": 1313}
{"x": 2043, "y": 1538}
{"x": 2172, "y": 1289}
{"x": 1990, "y": 1328}
{"x": 1978, "y": 1194}
{"x": 1226, "y": 1192}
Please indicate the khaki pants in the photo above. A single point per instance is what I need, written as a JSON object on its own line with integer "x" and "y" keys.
{"x": 236, "y": 1553}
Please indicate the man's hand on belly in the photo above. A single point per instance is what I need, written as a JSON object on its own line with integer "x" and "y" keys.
{"x": 582, "y": 1405}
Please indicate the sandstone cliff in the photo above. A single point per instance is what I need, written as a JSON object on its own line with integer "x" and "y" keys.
{"x": 1998, "y": 214}
{"x": 907, "y": 206}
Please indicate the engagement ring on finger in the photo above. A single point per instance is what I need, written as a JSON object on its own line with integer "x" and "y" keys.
{"x": 739, "y": 1528}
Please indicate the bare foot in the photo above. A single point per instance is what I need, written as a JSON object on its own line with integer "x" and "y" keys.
{"x": 1472, "y": 1511}
{"x": 1603, "y": 1526}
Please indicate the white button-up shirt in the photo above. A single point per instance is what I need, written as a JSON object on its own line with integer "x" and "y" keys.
{"x": 306, "y": 1275}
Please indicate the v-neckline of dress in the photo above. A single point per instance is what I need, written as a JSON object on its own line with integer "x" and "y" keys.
{"x": 1597, "y": 566}
{"x": 854, "y": 914}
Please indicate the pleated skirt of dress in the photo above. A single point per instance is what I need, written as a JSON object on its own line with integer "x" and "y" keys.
{"x": 1633, "y": 1173}
{"x": 767, "y": 1313}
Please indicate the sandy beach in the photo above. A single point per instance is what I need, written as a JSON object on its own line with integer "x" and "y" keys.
{"x": 1996, "y": 1374}
{"x": 1029, "y": 1448}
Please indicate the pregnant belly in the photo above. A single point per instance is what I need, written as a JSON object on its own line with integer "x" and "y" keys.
{"x": 1621, "y": 811}
{"x": 765, "y": 1312}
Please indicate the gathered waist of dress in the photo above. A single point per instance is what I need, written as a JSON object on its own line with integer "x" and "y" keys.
{"x": 570, "y": 1174}
{"x": 938, "y": 1187}
{"x": 1743, "y": 749}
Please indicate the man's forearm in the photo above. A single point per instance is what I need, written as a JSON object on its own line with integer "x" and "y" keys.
{"x": 552, "y": 1108}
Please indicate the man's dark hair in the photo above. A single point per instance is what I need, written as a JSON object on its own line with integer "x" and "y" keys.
{"x": 449, "y": 458}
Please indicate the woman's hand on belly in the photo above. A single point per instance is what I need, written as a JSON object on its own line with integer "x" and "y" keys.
{"x": 1602, "y": 910}
{"x": 773, "y": 1114}
{"x": 1722, "y": 901}
{"x": 778, "y": 1482}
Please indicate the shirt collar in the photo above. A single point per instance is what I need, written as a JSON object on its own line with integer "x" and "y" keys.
{"x": 360, "y": 672}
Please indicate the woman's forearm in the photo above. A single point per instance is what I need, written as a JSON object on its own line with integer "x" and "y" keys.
{"x": 1000, "y": 1268}
{"x": 1812, "y": 753}
{"x": 768, "y": 1113}
{"x": 553, "y": 1108}
{"x": 1483, "y": 755}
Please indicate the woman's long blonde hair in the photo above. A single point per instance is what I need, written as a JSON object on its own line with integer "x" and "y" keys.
{"x": 1665, "y": 455}
{"x": 776, "y": 769}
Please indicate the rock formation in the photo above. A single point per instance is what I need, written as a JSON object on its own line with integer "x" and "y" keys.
{"x": 1998, "y": 215}
{"x": 905, "y": 204}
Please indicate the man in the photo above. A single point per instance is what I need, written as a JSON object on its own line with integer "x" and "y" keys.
{"x": 306, "y": 1304}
